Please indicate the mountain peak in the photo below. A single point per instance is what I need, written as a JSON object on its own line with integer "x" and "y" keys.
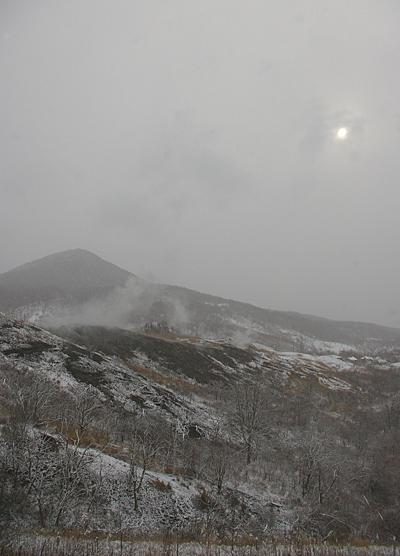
{"x": 69, "y": 255}
{"x": 71, "y": 273}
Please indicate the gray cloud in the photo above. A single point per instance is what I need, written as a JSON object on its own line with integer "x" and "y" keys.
{"x": 194, "y": 141}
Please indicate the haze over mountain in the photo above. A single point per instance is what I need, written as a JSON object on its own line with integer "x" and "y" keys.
{"x": 77, "y": 287}
{"x": 188, "y": 136}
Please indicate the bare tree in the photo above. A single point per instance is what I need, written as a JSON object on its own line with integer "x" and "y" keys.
{"x": 144, "y": 446}
{"x": 27, "y": 397}
{"x": 247, "y": 418}
{"x": 219, "y": 463}
{"x": 86, "y": 410}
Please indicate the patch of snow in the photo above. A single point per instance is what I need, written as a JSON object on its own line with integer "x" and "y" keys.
{"x": 337, "y": 362}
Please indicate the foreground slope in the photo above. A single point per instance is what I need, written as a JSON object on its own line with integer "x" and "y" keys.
{"x": 114, "y": 421}
{"x": 114, "y": 430}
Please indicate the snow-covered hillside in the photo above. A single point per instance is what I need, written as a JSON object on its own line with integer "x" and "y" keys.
{"x": 113, "y": 430}
{"x": 77, "y": 287}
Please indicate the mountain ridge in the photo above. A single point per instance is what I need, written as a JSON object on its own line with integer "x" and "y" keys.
{"x": 76, "y": 284}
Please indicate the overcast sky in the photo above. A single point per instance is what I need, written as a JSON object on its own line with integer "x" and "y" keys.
{"x": 193, "y": 142}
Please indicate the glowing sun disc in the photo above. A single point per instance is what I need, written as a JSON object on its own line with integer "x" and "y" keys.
{"x": 342, "y": 133}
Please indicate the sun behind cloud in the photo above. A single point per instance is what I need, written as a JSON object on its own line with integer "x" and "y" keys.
{"x": 342, "y": 133}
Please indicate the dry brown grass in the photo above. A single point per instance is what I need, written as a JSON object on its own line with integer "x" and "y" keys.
{"x": 174, "y": 470}
{"x": 173, "y": 337}
{"x": 161, "y": 485}
{"x": 63, "y": 542}
{"x": 90, "y": 438}
{"x": 179, "y": 383}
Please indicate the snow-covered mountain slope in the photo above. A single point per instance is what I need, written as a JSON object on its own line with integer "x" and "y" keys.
{"x": 73, "y": 367}
{"x": 208, "y": 362}
{"x": 172, "y": 376}
{"x": 190, "y": 390}
{"x": 136, "y": 386}
{"x": 77, "y": 287}
{"x": 165, "y": 375}
{"x": 196, "y": 365}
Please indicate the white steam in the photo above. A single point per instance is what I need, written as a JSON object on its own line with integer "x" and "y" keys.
{"x": 130, "y": 306}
